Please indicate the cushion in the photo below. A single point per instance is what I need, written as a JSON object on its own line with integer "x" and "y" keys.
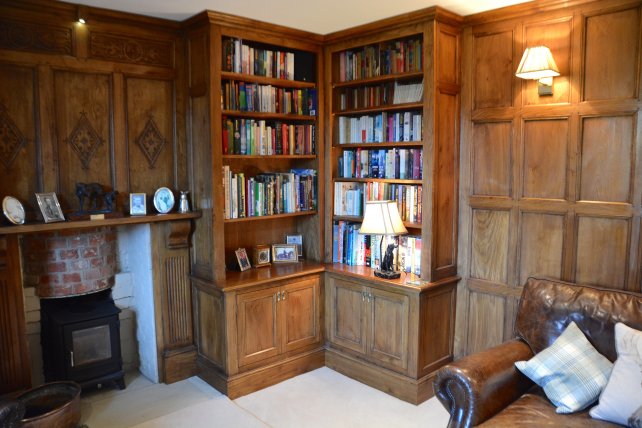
{"x": 621, "y": 400}
{"x": 571, "y": 372}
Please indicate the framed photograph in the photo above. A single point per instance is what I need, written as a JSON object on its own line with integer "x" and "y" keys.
{"x": 163, "y": 200}
{"x": 241, "y": 256}
{"x": 296, "y": 240}
{"x": 261, "y": 256}
{"x": 282, "y": 253}
{"x": 49, "y": 206}
{"x": 137, "y": 204}
{"x": 13, "y": 210}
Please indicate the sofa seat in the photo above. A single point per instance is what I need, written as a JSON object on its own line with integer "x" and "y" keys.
{"x": 533, "y": 409}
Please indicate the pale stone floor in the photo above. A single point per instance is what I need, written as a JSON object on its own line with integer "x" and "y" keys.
{"x": 318, "y": 399}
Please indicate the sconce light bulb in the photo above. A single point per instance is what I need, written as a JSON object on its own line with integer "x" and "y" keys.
{"x": 81, "y": 20}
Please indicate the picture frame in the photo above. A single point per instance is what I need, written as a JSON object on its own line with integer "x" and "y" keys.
{"x": 13, "y": 210}
{"x": 284, "y": 253}
{"x": 241, "y": 257}
{"x": 163, "y": 200}
{"x": 261, "y": 256}
{"x": 137, "y": 204}
{"x": 296, "y": 240}
{"x": 50, "y": 207}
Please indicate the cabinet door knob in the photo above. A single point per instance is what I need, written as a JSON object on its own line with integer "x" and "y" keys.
{"x": 284, "y": 293}
{"x": 363, "y": 296}
{"x": 277, "y": 296}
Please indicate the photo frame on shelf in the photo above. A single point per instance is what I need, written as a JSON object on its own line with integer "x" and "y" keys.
{"x": 137, "y": 204}
{"x": 13, "y": 210}
{"x": 296, "y": 240}
{"x": 241, "y": 257}
{"x": 49, "y": 207}
{"x": 261, "y": 256}
{"x": 163, "y": 200}
{"x": 284, "y": 253}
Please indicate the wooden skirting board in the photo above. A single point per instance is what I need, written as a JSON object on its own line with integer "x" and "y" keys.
{"x": 254, "y": 380}
{"x": 414, "y": 391}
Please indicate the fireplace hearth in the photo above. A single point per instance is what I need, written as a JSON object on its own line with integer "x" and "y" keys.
{"x": 80, "y": 338}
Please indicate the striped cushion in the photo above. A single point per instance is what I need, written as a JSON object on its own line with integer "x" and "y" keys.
{"x": 571, "y": 372}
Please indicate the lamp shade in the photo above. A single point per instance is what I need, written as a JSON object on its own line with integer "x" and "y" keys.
{"x": 382, "y": 218}
{"x": 537, "y": 63}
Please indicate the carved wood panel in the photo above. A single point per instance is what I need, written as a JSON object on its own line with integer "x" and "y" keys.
{"x": 497, "y": 75}
{"x": 486, "y": 321}
{"x": 17, "y": 132}
{"x": 37, "y": 37}
{"x": 492, "y": 158}
{"x": 612, "y": 53}
{"x": 150, "y": 127}
{"x": 545, "y": 158}
{"x": 608, "y": 156}
{"x": 83, "y": 143}
{"x": 110, "y": 47}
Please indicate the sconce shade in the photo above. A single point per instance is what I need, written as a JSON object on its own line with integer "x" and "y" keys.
{"x": 537, "y": 63}
{"x": 382, "y": 218}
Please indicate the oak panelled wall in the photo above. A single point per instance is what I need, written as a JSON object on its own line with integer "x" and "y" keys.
{"x": 550, "y": 185}
{"x": 101, "y": 102}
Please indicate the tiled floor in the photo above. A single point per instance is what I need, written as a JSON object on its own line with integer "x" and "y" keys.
{"x": 321, "y": 398}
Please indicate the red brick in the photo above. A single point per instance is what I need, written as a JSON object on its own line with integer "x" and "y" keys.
{"x": 89, "y": 252}
{"x": 97, "y": 262}
{"x": 56, "y": 267}
{"x": 107, "y": 271}
{"x": 78, "y": 242}
{"x": 71, "y": 277}
{"x": 68, "y": 254}
{"x": 91, "y": 274}
{"x": 78, "y": 265}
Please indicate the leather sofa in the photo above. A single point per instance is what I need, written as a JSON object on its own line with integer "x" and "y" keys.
{"x": 485, "y": 389}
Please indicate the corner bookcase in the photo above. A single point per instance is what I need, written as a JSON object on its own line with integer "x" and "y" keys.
{"x": 257, "y": 162}
{"x": 392, "y": 93}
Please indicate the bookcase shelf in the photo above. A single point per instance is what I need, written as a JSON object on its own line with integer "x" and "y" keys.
{"x": 281, "y": 83}
{"x": 380, "y": 109}
{"x": 270, "y": 217}
{"x": 358, "y": 219}
{"x": 258, "y": 157}
{"x": 378, "y": 180}
{"x": 268, "y": 116}
{"x": 379, "y": 79}
{"x": 386, "y": 144}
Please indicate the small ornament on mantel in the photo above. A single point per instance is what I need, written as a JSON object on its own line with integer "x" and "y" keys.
{"x": 183, "y": 204}
{"x": 100, "y": 203}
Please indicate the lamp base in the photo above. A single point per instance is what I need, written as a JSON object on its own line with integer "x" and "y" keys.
{"x": 387, "y": 274}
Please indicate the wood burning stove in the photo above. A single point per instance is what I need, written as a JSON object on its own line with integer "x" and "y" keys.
{"x": 80, "y": 338}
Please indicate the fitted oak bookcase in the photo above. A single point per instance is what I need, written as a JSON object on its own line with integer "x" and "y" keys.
{"x": 266, "y": 102}
{"x": 392, "y": 93}
{"x": 257, "y": 162}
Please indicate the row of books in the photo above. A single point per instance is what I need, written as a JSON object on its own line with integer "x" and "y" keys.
{"x": 253, "y": 97}
{"x": 261, "y": 137}
{"x": 380, "y": 95}
{"x": 395, "y": 163}
{"x": 352, "y": 248}
{"x": 382, "y": 127}
{"x": 269, "y": 193}
{"x": 239, "y": 57}
{"x": 350, "y": 198}
{"x": 394, "y": 57}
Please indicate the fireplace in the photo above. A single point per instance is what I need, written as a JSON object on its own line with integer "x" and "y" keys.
{"x": 81, "y": 340}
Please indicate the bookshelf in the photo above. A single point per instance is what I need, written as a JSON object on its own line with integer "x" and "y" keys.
{"x": 257, "y": 172}
{"x": 392, "y": 96}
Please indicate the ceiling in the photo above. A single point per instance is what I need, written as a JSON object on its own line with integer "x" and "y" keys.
{"x": 317, "y": 16}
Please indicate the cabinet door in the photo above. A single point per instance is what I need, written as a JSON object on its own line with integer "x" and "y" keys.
{"x": 299, "y": 311}
{"x": 257, "y": 325}
{"x": 346, "y": 312}
{"x": 388, "y": 328}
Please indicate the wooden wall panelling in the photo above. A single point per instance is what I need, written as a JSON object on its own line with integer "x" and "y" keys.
{"x": 15, "y": 372}
{"x": 84, "y": 141}
{"x": 18, "y": 131}
{"x": 574, "y": 159}
{"x": 151, "y": 144}
{"x": 611, "y": 55}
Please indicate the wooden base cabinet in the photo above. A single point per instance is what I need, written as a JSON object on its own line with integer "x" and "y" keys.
{"x": 388, "y": 334}
{"x": 258, "y": 335}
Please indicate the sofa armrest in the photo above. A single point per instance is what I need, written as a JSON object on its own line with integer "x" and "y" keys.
{"x": 478, "y": 386}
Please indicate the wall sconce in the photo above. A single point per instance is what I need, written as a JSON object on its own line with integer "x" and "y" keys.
{"x": 82, "y": 15}
{"x": 538, "y": 64}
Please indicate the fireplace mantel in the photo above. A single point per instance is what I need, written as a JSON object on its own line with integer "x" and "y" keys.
{"x": 84, "y": 224}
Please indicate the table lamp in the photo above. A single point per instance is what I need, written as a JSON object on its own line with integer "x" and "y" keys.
{"x": 382, "y": 218}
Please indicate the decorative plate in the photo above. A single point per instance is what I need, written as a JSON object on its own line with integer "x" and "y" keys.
{"x": 163, "y": 200}
{"x": 13, "y": 210}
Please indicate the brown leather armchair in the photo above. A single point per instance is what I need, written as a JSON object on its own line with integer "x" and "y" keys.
{"x": 486, "y": 389}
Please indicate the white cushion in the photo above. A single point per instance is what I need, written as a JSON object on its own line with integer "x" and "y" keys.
{"x": 571, "y": 372}
{"x": 621, "y": 400}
